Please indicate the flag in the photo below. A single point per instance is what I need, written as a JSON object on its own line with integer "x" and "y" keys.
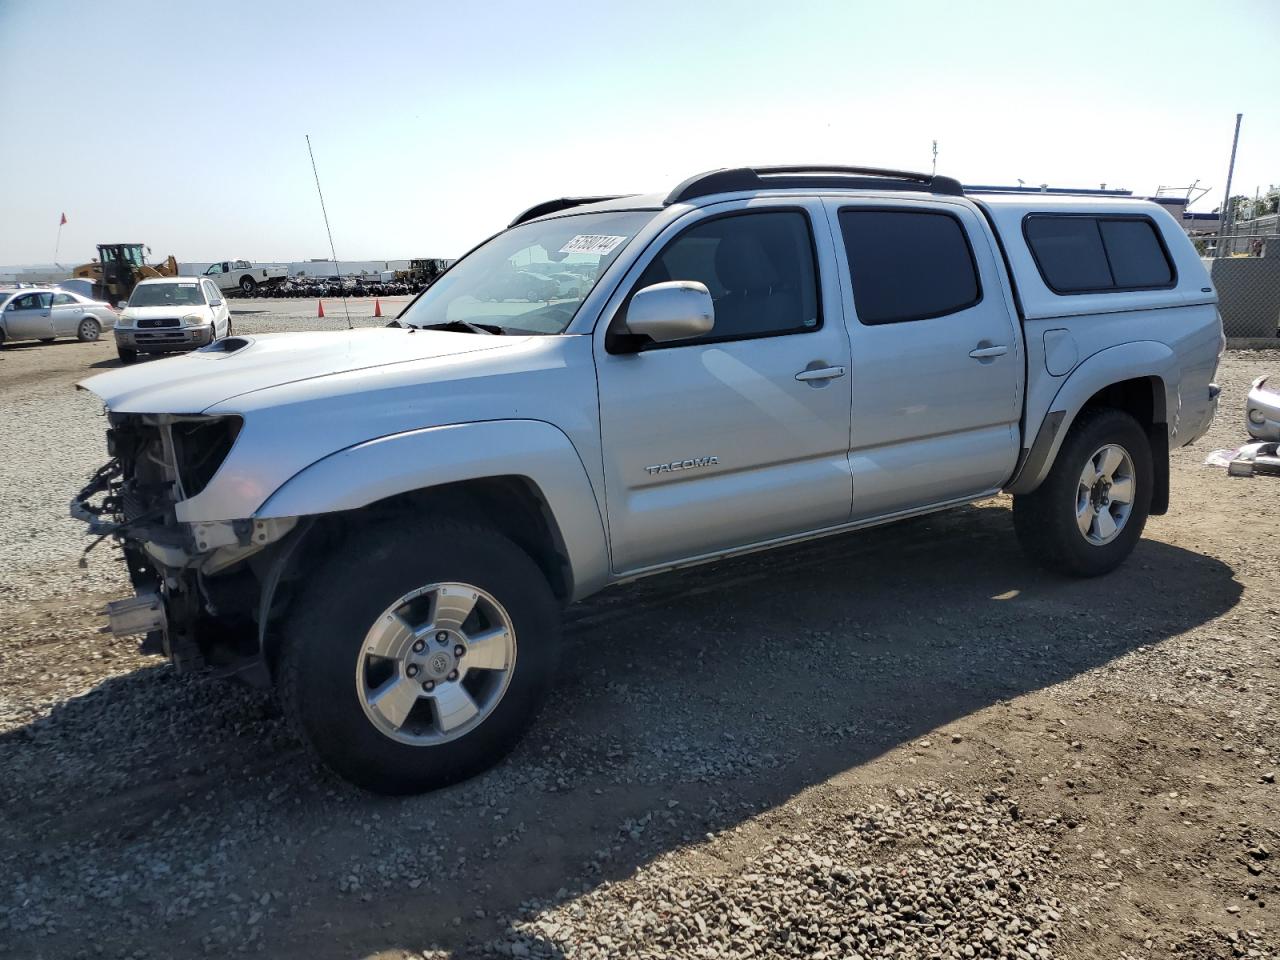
{"x": 63, "y": 221}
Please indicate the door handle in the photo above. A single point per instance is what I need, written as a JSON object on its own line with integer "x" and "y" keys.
{"x": 986, "y": 353}
{"x": 821, "y": 373}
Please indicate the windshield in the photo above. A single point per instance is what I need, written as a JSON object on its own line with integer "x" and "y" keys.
{"x": 167, "y": 295}
{"x": 530, "y": 279}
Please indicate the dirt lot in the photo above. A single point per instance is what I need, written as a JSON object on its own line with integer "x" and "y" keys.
{"x": 905, "y": 742}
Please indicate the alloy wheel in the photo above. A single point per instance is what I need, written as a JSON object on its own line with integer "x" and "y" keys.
{"x": 1104, "y": 495}
{"x": 436, "y": 663}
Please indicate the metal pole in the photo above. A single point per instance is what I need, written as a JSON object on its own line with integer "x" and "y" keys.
{"x": 1226, "y": 202}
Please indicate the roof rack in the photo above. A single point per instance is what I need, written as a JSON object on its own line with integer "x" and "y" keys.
{"x": 560, "y": 203}
{"x": 802, "y": 176}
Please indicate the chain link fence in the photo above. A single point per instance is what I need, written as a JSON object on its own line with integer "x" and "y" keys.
{"x": 1245, "y": 267}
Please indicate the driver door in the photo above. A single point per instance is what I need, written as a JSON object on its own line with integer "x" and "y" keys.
{"x": 740, "y": 436}
{"x": 29, "y": 316}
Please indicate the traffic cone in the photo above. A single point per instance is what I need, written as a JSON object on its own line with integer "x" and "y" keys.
{"x": 319, "y": 308}
{"x": 377, "y": 307}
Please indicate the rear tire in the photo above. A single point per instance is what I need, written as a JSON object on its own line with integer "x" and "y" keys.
{"x": 127, "y": 355}
{"x": 1077, "y": 522}
{"x": 89, "y": 330}
{"x": 340, "y": 658}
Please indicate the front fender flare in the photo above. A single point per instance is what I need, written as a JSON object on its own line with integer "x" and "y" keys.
{"x": 1127, "y": 361}
{"x": 418, "y": 459}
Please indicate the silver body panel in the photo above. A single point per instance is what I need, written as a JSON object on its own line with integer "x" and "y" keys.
{"x": 1262, "y": 410}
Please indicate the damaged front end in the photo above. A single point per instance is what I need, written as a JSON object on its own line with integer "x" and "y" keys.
{"x": 198, "y": 585}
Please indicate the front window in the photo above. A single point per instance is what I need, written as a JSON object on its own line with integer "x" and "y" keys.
{"x": 215, "y": 269}
{"x": 530, "y": 279}
{"x": 167, "y": 295}
{"x": 33, "y": 301}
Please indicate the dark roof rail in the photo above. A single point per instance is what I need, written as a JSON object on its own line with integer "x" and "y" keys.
{"x": 802, "y": 176}
{"x": 555, "y": 206}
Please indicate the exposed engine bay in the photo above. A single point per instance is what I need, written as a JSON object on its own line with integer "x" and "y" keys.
{"x": 198, "y": 585}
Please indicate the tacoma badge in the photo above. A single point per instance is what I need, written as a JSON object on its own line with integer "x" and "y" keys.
{"x": 675, "y": 465}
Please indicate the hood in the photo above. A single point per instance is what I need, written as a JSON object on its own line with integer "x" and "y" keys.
{"x": 193, "y": 382}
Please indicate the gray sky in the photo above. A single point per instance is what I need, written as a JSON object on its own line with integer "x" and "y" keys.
{"x": 181, "y": 125}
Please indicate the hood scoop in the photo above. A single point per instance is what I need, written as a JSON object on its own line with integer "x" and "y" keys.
{"x": 226, "y": 345}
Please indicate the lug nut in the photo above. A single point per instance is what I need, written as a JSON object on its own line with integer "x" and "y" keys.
{"x": 428, "y": 686}
{"x": 441, "y": 637}
{"x": 418, "y": 646}
{"x": 453, "y": 675}
{"x": 411, "y": 669}
{"x": 459, "y": 650}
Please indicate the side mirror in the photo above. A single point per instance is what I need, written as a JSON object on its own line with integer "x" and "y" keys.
{"x": 120, "y": 305}
{"x": 675, "y": 310}
{"x": 215, "y": 303}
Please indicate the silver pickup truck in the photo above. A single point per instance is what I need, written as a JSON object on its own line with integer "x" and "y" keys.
{"x": 386, "y": 523}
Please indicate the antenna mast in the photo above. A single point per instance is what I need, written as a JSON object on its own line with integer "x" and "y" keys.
{"x": 325, "y": 212}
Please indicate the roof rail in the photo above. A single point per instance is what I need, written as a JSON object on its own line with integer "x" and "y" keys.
{"x": 560, "y": 203}
{"x": 801, "y": 176}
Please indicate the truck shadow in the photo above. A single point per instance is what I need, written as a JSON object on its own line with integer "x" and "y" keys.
{"x": 686, "y": 704}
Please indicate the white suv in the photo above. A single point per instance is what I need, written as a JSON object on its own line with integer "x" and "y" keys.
{"x": 169, "y": 315}
{"x": 386, "y": 523}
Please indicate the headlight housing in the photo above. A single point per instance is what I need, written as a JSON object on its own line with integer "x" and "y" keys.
{"x": 193, "y": 320}
{"x": 200, "y": 445}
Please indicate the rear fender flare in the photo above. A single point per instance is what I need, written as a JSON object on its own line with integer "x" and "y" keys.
{"x": 420, "y": 459}
{"x": 1128, "y": 361}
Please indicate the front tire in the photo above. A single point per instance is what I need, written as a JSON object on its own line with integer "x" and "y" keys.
{"x": 126, "y": 355}
{"x": 248, "y": 285}
{"x": 372, "y": 689}
{"x": 1087, "y": 516}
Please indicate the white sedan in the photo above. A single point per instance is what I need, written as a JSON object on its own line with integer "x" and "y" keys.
{"x": 47, "y": 314}
{"x": 171, "y": 314}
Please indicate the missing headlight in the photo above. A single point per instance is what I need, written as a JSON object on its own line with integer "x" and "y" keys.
{"x": 200, "y": 446}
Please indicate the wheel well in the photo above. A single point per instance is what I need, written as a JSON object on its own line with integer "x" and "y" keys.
{"x": 512, "y": 505}
{"x": 1143, "y": 399}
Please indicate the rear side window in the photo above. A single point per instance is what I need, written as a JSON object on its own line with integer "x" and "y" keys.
{"x": 1078, "y": 254}
{"x": 908, "y": 265}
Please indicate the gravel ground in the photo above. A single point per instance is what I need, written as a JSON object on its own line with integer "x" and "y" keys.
{"x": 898, "y": 743}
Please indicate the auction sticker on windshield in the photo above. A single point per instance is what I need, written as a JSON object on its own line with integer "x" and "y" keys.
{"x": 591, "y": 243}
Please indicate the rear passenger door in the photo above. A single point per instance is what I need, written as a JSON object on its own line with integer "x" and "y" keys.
{"x": 67, "y": 314}
{"x": 937, "y": 362}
